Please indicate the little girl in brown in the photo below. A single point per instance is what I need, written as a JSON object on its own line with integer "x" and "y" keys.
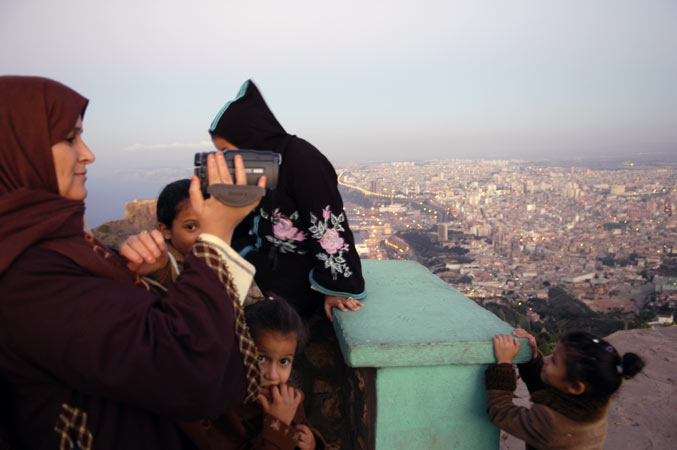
{"x": 277, "y": 421}
{"x": 570, "y": 390}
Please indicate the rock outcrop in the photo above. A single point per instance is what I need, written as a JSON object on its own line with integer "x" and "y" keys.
{"x": 139, "y": 216}
{"x": 643, "y": 412}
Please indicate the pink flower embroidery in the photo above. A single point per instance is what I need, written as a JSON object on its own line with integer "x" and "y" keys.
{"x": 326, "y": 214}
{"x": 331, "y": 242}
{"x": 300, "y": 236}
{"x": 284, "y": 230}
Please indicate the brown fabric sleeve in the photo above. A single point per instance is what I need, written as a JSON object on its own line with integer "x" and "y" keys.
{"x": 123, "y": 342}
{"x": 163, "y": 275}
{"x": 300, "y": 419}
{"x": 501, "y": 376}
{"x": 532, "y": 425}
{"x": 276, "y": 434}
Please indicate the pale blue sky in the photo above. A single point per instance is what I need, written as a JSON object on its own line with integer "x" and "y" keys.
{"x": 361, "y": 80}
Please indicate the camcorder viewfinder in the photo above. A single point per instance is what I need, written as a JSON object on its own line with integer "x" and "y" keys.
{"x": 257, "y": 163}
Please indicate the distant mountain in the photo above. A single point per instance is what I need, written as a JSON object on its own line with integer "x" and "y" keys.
{"x": 600, "y": 158}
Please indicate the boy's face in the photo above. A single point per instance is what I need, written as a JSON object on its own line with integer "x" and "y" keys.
{"x": 185, "y": 228}
{"x": 276, "y": 355}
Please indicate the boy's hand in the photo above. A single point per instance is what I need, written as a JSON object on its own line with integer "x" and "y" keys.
{"x": 520, "y": 333}
{"x": 306, "y": 439}
{"x": 145, "y": 252}
{"x": 342, "y": 303}
{"x": 505, "y": 348}
{"x": 285, "y": 400}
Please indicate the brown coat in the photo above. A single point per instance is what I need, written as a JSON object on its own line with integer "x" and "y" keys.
{"x": 111, "y": 366}
{"x": 555, "y": 420}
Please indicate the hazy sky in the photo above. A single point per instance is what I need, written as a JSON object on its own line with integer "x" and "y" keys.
{"x": 397, "y": 79}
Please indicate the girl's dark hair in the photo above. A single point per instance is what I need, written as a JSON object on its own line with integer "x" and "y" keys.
{"x": 275, "y": 314}
{"x": 597, "y": 364}
{"x": 169, "y": 200}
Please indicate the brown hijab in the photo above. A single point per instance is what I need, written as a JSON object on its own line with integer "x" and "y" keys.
{"x": 35, "y": 114}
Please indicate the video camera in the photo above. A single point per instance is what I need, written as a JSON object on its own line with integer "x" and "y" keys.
{"x": 256, "y": 162}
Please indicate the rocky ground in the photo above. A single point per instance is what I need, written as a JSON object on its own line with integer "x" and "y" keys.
{"x": 643, "y": 413}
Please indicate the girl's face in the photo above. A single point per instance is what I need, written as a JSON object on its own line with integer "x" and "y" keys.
{"x": 71, "y": 157}
{"x": 185, "y": 228}
{"x": 554, "y": 372}
{"x": 276, "y": 354}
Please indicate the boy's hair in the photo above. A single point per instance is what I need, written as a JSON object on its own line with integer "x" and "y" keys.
{"x": 597, "y": 364}
{"x": 275, "y": 314}
{"x": 169, "y": 200}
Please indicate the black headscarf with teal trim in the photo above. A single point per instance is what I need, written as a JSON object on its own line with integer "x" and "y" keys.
{"x": 307, "y": 192}
{"x": 247, "y": 122}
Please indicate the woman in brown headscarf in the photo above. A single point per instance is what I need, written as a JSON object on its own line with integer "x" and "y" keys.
{"x": 89, "y": 357}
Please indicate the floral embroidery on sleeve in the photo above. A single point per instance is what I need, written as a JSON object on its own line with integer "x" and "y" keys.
{"x": 285, "y": 235}
{"x": 331, "y": 242}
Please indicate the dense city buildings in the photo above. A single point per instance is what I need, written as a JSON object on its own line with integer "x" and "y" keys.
{"x": 513, "y": 229}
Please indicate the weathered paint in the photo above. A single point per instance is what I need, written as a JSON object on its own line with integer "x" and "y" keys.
{"x": 430, "y": 345}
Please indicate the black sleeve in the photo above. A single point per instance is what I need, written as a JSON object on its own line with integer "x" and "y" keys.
{"x": 337, "y": 269}
{"x": 530, "y": 372}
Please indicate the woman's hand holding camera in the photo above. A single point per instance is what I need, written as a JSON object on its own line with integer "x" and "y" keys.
{"x": 215, "y": 217}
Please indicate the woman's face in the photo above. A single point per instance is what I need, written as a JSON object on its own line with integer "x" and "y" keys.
{"x": 222, "y": 144}
{"x": 71, "y": 157}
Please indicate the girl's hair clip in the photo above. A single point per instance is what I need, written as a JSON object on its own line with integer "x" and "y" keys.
{"x": 619, "y": 369}
{"x": 609, "y": 349}
{"x": 596, "y": 341}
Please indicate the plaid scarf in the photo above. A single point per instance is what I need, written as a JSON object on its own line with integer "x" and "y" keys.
{"x": 247, "y": 347}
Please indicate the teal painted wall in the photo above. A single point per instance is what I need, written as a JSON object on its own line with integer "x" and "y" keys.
{"x": 433, "y": 407}
{"x": 431, "y": 346}
{"x": 412, "y": 318}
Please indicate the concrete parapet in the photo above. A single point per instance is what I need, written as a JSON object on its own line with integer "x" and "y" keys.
{"x": 419, "y": 349}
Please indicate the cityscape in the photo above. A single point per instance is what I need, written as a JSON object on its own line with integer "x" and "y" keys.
{"x": 556, "y": 247}
{"x": 507, "y": 232}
